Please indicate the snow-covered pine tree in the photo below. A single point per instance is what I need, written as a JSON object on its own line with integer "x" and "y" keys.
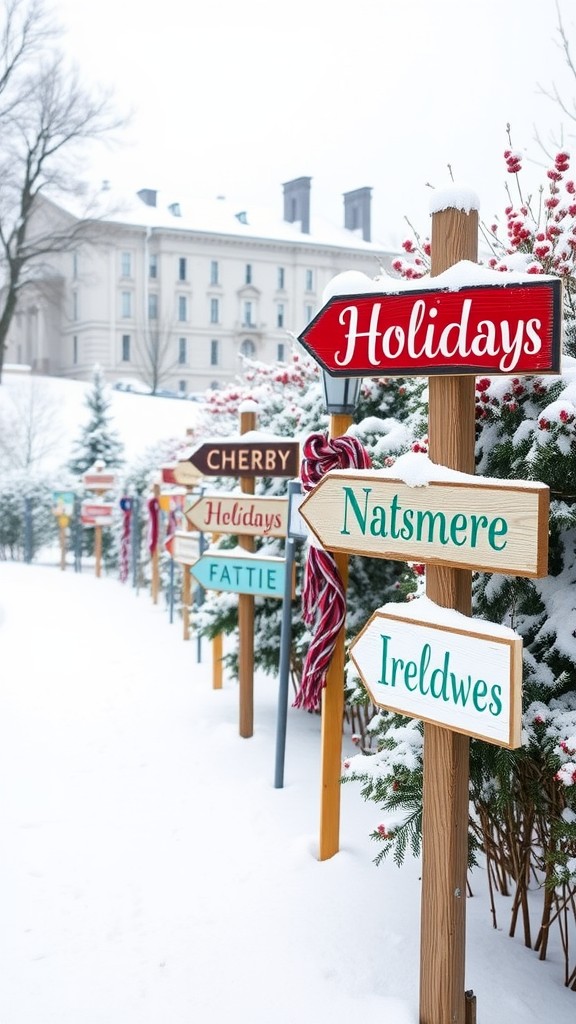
{"x": 97, "y": 439}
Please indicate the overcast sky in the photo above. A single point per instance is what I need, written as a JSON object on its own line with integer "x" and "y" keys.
{"x": 237, "y": 97}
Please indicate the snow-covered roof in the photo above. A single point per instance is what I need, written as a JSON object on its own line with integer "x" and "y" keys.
{"x": 218, "y": 215}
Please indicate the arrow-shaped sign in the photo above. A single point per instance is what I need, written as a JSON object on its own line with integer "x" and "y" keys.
{"x": 182, "y": 547}
{"x": 500, "y": 328}
{"x": 443, "y": 667}
{"x": 468, "y": 525}
{"x": 241, "y": 574}
{"x": 238, "y": 514}
{"x": 247, "y": 457}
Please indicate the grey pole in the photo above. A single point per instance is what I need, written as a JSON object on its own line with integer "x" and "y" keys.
{"x": 297, "y": 530}
{"x": 284, "y": 672}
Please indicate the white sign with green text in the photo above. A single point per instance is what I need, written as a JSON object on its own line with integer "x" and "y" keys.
{"x": 464, "y": 521}
{"x": 443, "y": 667}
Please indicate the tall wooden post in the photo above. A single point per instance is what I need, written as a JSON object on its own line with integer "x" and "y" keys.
{"x": 246, "y": 614}
{"x": 446, "y": 753}
{"x": 155, "y": 581}
{"x": 333, "y": 711}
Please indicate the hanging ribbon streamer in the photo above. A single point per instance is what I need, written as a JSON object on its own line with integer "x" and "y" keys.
{"x": 323, "y": 594}
{"x": 126, "y": 506}
{"x": 153, "y": 524}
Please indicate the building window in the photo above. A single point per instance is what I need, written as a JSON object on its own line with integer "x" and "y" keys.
{"x": 248, "y": 348}
{"x": 125, "y": 348}
{"x": 153, "y": 265}
{"x": 309, "y": 280}
{"x": 281, "y": 352}
{"x": 153, "y": 306}
{"x": 247, "y": 316}
{"x": 248, "y": 274}
{"x": 214, "y": 311}
{"x": 182, "y": 387}
{"x": 182, "y": 353}
{"x": 280, "y": 315}
{"x": 214, "y": 272}
{"x": 126, "y": 304}
{"x": 214, "y": 352}
{"x": 75, "y": 349}
{"x": 308, "y": 313}
{"x": 75, "y": 265}
{"x": 74, "y": 305}
{"x": 182, "y": 308}
{"x": 126, "y": 264}
{"x": 182, "y": 269}
{"x": 281, "y": 278}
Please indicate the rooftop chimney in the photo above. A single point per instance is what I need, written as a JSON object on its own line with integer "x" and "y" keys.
{"x": 297, "y": 202}
{"x": 357, "y": 211}
{"x": 148, "y": 196}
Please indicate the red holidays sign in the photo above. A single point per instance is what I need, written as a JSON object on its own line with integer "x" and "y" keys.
{"x": 493, "y": 329}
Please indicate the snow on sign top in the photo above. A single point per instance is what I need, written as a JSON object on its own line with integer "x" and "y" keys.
{"x": 468, "y": 320}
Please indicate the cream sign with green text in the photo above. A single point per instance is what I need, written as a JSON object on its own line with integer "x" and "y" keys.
{"x": 475, "y": 523}
{"x": 443, "y": 667}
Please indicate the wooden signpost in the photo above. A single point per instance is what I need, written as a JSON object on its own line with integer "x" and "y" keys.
{"x": 248, "y": 456}
{"x": 100, "y": 481}
{"x": 251, "y": 455}
{"x": 63, "y": 509}
{"x": 248, "y": 574}
{"x": 463, "y": 674}
{"x": 497, "y": 328}
{"x": 182, "y": 546}
{"x": 184, "y": 474}
{"x": 255, "y": 517}
{"x": 450, "y": 332}
{"x": 495, "y": 526}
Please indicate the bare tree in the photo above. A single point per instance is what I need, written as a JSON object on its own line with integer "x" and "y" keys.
{"x": 30, "y": 427}
{"x": 566, "y": 42}
{"x": 46, "y": 120}
{"x": 154, "y": 344}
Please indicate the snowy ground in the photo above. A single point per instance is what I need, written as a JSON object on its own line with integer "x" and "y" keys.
{"x": 153, "y": 875}
{"x": 150, "y": 871}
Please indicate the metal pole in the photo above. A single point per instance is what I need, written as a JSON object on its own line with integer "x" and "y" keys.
{"x": 284, "y": 671}
{"x": 199, "y": 595}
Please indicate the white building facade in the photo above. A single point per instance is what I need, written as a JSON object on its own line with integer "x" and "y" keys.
{"x": 175, "y": 297}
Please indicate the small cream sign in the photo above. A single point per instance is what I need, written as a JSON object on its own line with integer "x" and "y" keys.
{"x": 461, "y": 673}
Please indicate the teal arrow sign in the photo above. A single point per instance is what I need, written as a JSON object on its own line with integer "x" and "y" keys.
{"x": 242, "y": 574}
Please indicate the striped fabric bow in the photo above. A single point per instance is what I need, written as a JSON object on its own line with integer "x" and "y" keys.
{"x": 323, "y": 594}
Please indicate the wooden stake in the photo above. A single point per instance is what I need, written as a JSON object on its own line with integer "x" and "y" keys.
{"x": 333, "y": 711}
{"x": 246, "y": 615}
{"x": 446, "y": 754}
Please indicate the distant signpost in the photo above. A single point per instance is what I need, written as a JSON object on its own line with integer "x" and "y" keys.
{"x": 238, "y": 514}
{"x": 247, "y": 457}
{"x": 241, "y": 574}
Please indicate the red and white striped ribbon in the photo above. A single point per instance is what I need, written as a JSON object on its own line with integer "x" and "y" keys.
{"x": 323, "y": 594}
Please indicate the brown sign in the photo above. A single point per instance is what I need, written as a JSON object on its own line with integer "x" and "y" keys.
{"x": 247, "y": 458}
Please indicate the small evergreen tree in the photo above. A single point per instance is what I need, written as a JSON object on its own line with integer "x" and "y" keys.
{"x": 97, "y": 440}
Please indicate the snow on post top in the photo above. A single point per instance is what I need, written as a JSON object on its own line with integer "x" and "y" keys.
{"x": 454, "y": 197}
